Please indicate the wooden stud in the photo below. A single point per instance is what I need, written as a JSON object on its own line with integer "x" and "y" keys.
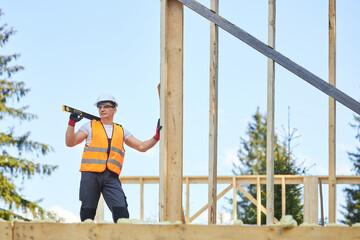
{"x": 187, "y": 201}
{"x": 306, "y": 206}
{"x": 283, "y": 196}
{"x": 258, "y": 200}
{"x": 234, "y": 200}
{"x": 314, "y": 200}
{"x": 270, "y": 118}
{"x": 213, "y": 117}
{"x": 321, "y": 203}
{"x": 171, "y": 111}
{"x": 141, "y": 198}
{"x": 332, "y": 112}
{"x": 311, "y": 199}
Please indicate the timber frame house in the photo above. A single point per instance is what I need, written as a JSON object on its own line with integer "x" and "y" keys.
{"x": 171, "y": 145}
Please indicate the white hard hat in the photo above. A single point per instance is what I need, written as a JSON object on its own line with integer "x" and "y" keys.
{"x": 105, "y": 98}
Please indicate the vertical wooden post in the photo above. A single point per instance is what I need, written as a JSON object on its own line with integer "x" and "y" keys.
{"x": 141, "y": 198}
{"x": 332, "y": 112}
{"x": 171, "y": 111}
{"x": 283, "y": 196}
{"x": 258, "y": 199}
{"x": 213, "y": 117}
{"x": 270, "y": 118}
{"x": 311, "y": 199}
{"x": 234, "y": 200}
{"x": 306, "y": 206}
{"x": 187, "y": 218}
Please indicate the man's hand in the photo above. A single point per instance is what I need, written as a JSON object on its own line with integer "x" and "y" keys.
{"x": 158, "y": 128}
{"x": 74, "y": 118}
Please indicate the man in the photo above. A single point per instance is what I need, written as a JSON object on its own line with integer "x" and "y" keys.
{"x": 103, "y": 158}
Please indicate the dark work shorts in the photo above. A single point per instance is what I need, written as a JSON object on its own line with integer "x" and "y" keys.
{"x": 107, "y": 183}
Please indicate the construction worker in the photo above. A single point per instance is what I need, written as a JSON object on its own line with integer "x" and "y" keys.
{"x": 103, "y": 158}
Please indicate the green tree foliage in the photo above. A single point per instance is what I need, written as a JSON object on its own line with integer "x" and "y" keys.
{"x": 351, "y": 208}
{"x": 13, "y": 165}
{"x": 252, "y": 161}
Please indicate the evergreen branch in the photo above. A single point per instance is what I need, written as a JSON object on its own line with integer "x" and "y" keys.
{"x": 16, "y": 113}
{"x": 23, "y": 143}
{"x": 8, "y": 215}
{"x": 4, "y": 60}
{"x": 10, "y": 70}
{"x": 16, "y": 166}
{"x": 5, "y": 34}
{"x": 13, "y": 199}
{"x": 11, "y": 89}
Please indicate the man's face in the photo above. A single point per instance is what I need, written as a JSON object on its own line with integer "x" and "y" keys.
{"x": 106, "y": 110}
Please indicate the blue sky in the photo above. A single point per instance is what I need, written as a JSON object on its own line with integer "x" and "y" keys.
{"x": 73, "y": 51}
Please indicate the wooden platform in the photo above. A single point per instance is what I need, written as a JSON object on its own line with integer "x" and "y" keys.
{"x": 79, "y": 231}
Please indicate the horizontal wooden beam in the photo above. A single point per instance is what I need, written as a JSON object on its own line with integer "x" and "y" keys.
{"x": 6, "y": 231}
{"x": 80, "y": 231}
{"x": 244, "y": 179}
{"x": 274, "y": 55}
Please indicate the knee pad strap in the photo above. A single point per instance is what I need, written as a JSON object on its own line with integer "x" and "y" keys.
{"x": 87, "y": 213}
{"x": 119, "y": 212}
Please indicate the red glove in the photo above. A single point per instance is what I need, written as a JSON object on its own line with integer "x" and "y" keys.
{"x": 74, "y": 118}
{"x": 158, "y": 128}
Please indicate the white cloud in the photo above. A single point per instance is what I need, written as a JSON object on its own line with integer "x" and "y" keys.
{"x": 315, "y": 166}
{"x": 319, "y": 170}
{"x": 346, "y": 147}
{"x": 230, "y": 156}
{"x": 68, "y": 216}
{"x": 224, "y": 217}
{"x": 151, "y": 152}
{"x": 344, "y": 169}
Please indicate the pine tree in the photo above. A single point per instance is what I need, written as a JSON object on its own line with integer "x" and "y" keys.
{"x": 13, "y": 165}
{"x": 252, "y": 161}
{"x": 351, "y": 208}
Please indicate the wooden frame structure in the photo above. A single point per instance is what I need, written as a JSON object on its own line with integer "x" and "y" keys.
{"x": 171, "y": 95}
{"x": 273, "y": 56}
{"x": 311, "y": 186}
{"x": 171, "y": 179}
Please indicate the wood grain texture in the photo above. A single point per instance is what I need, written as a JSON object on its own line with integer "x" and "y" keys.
{"x": 56, "y": 231}
{"x": 5, "y": 231}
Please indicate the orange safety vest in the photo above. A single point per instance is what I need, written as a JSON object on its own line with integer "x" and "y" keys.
{"x": 95, "y": 157}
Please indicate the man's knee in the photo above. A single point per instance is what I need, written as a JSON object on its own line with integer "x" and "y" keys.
{"x": 119, "y": 212}
{"x": 87, "y": 213}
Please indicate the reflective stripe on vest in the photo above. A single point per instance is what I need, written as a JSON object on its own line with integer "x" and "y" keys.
{"x": 95, "y": 156}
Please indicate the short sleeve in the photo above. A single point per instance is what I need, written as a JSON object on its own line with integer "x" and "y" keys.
{"x": 86, "y": 128}
{"x": 126, "y": 134}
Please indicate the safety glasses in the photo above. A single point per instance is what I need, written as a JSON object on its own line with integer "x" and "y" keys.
{"x": 105, "y": 106}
